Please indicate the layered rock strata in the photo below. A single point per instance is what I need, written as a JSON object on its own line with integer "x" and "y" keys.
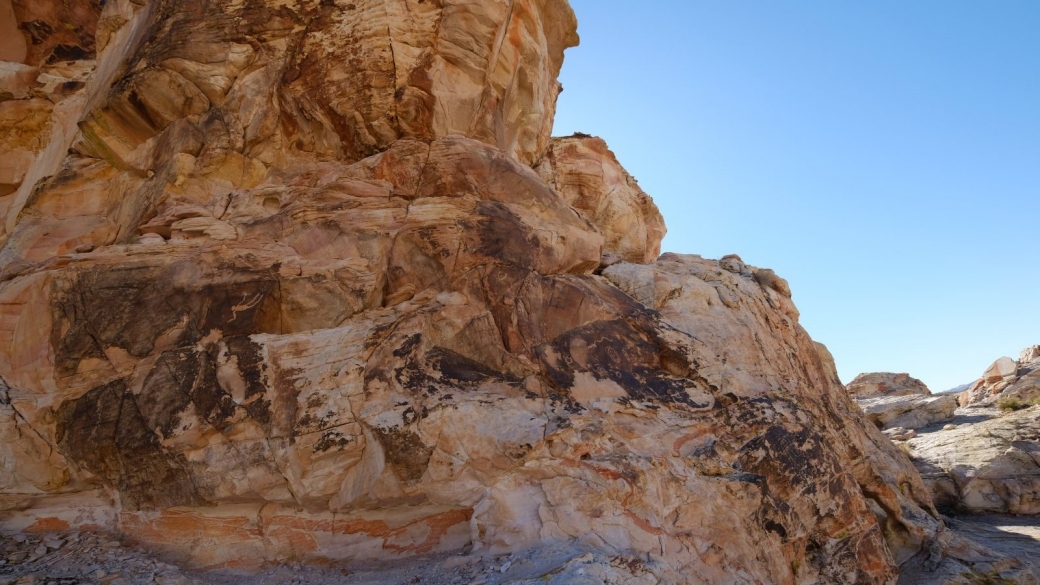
{"x": 285, "y": 286}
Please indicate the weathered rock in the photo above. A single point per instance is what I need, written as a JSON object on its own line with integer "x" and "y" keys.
{"x": 587, "y": 174}
{"x": 898, "y": 400}
{"x": 886, "y": 384}
{"x": 1029, "y": 354}
{"x": 1013, "y": 384}
{"x": 295, "y": 292}
{"x": 908, "y": 411}
{"x": 991, "y": 465}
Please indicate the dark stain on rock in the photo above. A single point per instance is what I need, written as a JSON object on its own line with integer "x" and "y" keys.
{"x": 179, "y": 378}
{"x": 332, "y": 439}
{"x": 104, "y": 432}
{"x": 405, "y": 452}
{"x": 130, "y": 307}
{"x": 500, "y": 234}
{"x": 618, "y": 351}
{"x": 776, "y": 528}
{"x": 38, "y": 30}
{"x": 408, "y": 345}
{"x": 248, "y": 356}
{"x": 212, "y": 402}
{"x": 69, "y": 53}
{"x": 793, "y": 461}
{"x": 460, "y": 370}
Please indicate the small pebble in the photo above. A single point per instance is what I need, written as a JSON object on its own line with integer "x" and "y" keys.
{"x": 505, "y": 566}
{"x": 19, "y": 537}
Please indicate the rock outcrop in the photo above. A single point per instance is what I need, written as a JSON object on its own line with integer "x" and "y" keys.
{"x": 899, "y": 402}
{"x": 1015, "y": 382}
{"x": 988, "y": 460}
{"x": 282, "y": 284}
{"x": 877, "y": 384}
{"x": 588, "y": 176}
{"x": 984, "y": 466}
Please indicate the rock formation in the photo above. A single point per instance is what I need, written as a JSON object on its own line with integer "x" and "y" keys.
{"x": 988, "y": 460}
{"x": 1013, "y": 381}
{"x": 886, "y": 384}
{"x": 990, "y": 465}
{"x": 588, "y": 176}
{"x": 900, "y": 403}
{"x": 278, "y": 281}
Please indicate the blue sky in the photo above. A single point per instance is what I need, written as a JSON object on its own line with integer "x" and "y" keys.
{"x": 883, "y": 156}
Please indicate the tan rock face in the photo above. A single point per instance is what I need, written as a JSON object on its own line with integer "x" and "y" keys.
{"x": 296, "y": 293}
{"x": 886, "y": 384}
{"x": 587, "y": 174}
{"x": 47, "y": 53}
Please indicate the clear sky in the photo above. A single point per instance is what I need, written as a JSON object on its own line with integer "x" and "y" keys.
{"x": 882, "y": 155}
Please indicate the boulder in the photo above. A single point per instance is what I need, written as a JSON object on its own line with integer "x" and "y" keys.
{"x": 1002, "y": 368}
{"x": 898, "y": 400}
{"x": 1008, "y": 383}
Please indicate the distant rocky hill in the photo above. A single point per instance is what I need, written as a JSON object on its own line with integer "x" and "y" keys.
{"x": 309, "y": 282}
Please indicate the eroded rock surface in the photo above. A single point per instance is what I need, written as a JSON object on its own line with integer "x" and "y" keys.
{"x": 886, "y": 384}
{"x": 986, "y": 462}
{"x": 1016, "y": 383}
{"x": 285, "y": 286}
{"x": 898, "y": 401}
{"x": 587, "y": 174}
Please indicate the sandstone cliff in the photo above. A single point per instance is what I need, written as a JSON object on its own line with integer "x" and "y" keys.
{"x": 278, "y": 281}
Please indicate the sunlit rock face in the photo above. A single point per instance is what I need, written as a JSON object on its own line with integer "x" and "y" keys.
{"x": 282, "y": 283}
{"x": 899, "y": 402}
{"x": 989, "y": 463}
{"x": 586, "y": 173}
{"x": 878, "y": 384}
{"x": 1017, "y": 381}
{"x": 989, "y": 459}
